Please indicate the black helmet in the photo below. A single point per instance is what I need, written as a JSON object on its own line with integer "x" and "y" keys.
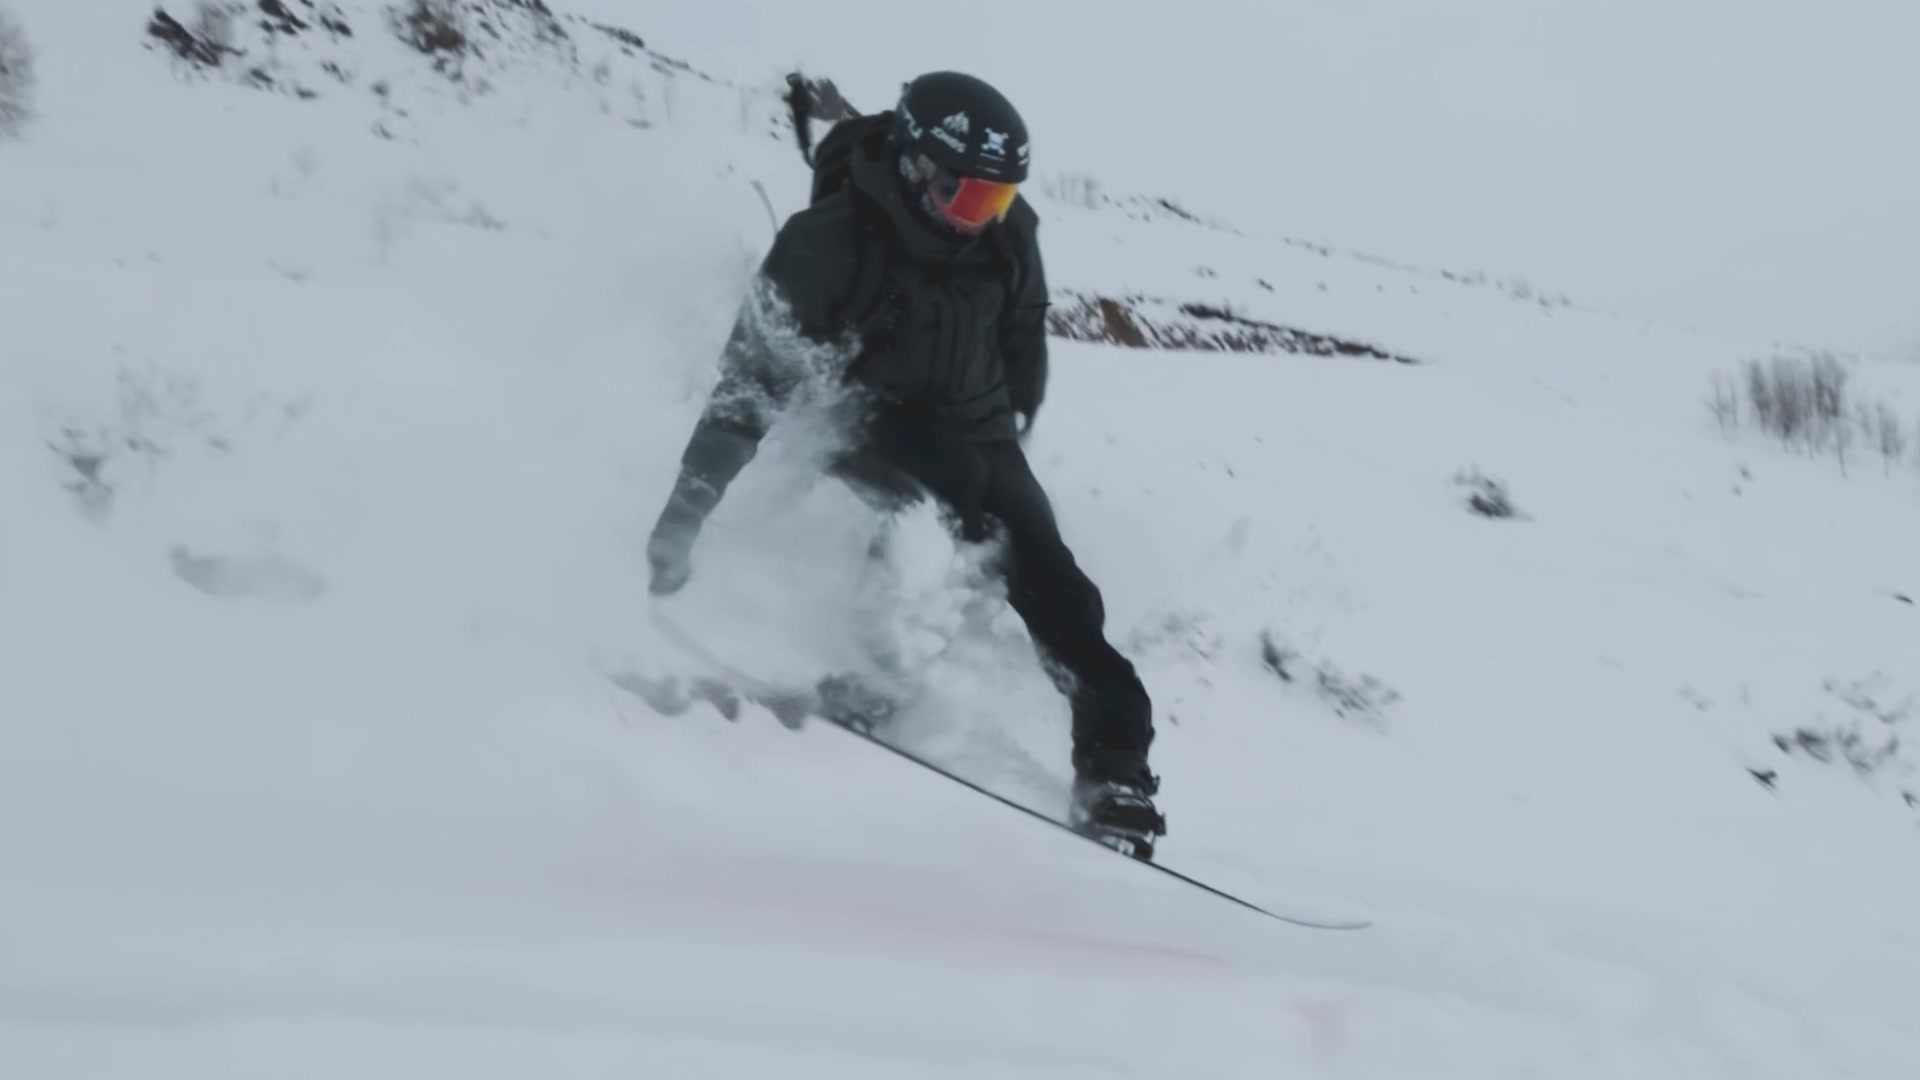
{"x": 964, "y": 126}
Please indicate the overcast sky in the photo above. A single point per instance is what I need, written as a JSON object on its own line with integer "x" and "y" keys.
{"x": 1746, "y": 166}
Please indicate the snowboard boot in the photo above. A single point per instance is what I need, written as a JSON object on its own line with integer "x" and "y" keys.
{"x": 1118, "y": 814}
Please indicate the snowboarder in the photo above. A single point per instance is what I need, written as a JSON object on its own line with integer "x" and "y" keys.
{"x": 916, "y": 271}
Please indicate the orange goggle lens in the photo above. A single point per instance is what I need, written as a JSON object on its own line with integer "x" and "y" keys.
{"x": 970, "y": 203}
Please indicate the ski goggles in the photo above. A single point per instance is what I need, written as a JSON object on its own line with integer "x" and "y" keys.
{"x": 967, "y": 203}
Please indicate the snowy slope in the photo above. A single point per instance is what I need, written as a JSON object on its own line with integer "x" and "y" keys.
{"x": 1724, "y": 164}
{"x": 333, "y": 421}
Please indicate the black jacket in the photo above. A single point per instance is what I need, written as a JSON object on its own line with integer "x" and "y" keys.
{"x": 858, "y": 290}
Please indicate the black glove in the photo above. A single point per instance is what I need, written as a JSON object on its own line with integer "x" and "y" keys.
{"x": 671, "y": 557}
{"x": 670, "y": 546}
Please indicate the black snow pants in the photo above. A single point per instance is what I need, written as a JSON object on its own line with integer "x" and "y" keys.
{"x": 989, "y": 493}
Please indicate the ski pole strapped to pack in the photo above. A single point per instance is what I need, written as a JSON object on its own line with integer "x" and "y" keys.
{"x": 809, "y": 98}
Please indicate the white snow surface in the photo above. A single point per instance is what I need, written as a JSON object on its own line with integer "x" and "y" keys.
{"x": 327, "y": 456}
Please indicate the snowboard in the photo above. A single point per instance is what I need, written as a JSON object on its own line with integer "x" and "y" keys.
{"x": 857, "y": 709}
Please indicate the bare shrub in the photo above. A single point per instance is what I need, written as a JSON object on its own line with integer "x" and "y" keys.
{"x": 1723, "y": 401}
{"x": 213, "y": 24}
{"x": 1760, "y": 395}
{"x": 1363, "y": 696}
{"x": 1486, "y": 496}
{"x": 434, "y": 27}
{"x": 1277, "y": 656}
{"x": 156, "y": 414}
{"x": 1792, "y": 397}
{"x": 17, "y": 82}
{"x": 628, "y": 40}
{"x": 187, "y": 43}
{"x": 1807, "y": 401}
{"x": 1797, "y": 400}
{"x": 1873, "y": 696}
{"x": 1889, "y": 435}
{"x": 1075, "y": 189}
{"x": 1866, "y": 736}
{"x": 1843, "y": 742}
{"x": 1841, "y": 437}
{"x": 1828, "y": 381}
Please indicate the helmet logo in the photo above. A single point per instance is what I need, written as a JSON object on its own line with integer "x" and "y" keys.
{"x": 914, "y": 130}
{"x": 996, "y": 143}
{"x": 1025, "y": 152}
{"x": 958, "y": 123}
{"x": 945, "y": 135}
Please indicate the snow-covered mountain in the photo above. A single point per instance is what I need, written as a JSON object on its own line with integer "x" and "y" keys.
{"x": 346, "y": 356}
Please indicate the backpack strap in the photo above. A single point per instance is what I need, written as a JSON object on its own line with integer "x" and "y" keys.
{"x": 878, "y": 253}
{"x": 1007, "y": 254}
{"x": 869, "y": 308}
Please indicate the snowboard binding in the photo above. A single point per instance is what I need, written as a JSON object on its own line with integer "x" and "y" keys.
{"x": 1119, "y": 815}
